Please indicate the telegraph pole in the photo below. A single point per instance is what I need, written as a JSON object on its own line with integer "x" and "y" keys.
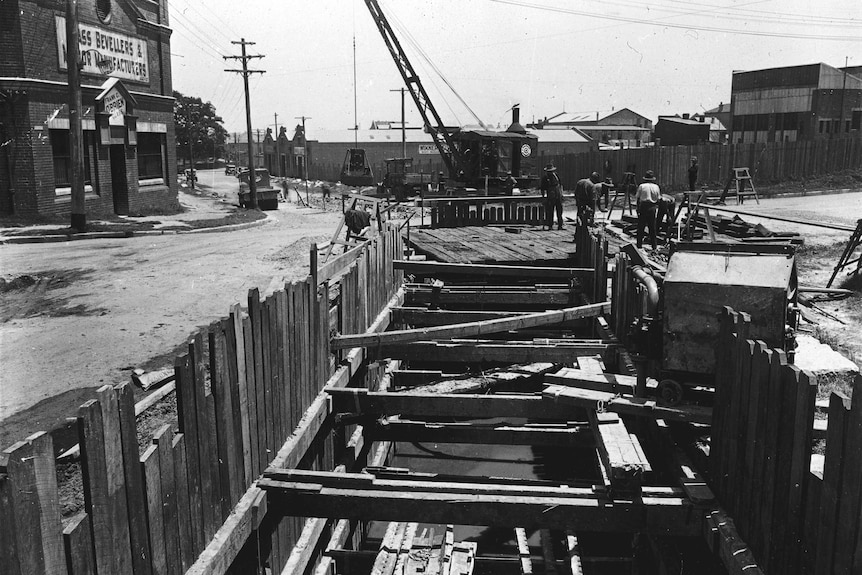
{"x": 76, "y": 133}
{"x": 304, "y": 153}
{"x": 191, "y": 148}
{"x": 403, "y": 125}
{"x": 252, "y": 185}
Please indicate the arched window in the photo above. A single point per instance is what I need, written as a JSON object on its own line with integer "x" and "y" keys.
{"x": 103, "y": 10}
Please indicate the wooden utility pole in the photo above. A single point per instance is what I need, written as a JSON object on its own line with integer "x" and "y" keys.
{"x": 76, "y": 132}
{"x": 252, "y": 185}
{"x": 191, "y": 148}
{"x": 403, "y": 125}
{"x": 277, "y": 152}
{"x": 305, "y": 154}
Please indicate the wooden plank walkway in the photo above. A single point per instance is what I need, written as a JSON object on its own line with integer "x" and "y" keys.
{"x": 493, "y": 244}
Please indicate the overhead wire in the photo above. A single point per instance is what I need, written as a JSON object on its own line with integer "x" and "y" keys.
{"x": 665, "y": 24}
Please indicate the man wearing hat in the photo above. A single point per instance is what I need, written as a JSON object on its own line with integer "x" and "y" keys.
{"x": 552, "y": 189}
{"x": 509, "y": 183}
{"x": 647, "y": 198}
{"x": 586, "y": 191}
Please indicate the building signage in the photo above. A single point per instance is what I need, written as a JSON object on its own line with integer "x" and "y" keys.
{"x": 106, "y": 53}
{"x": 114, "y": 103}
{"x": 431, "y": 149}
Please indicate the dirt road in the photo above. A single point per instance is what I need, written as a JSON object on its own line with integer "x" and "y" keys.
{"x": 102, "y": 307}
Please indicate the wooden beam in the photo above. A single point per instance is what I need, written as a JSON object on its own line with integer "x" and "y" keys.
{"x": 470, "y": 329}
{"x": 609, "y": 382}
{"x": 418, "y": 431}
{"x": 432, "y": 268}
{"x": 619, "y": 452}
{"x": 448, "y": 405}
{"x": 424, "y": 317}
{"x": 594, "y": 512}
{"x": 507, "y": 352}
{"x": 514, "y": 376}
{"x": 415, "y": 377}
{"x": 524, "y": 555}
{"x": 627, "y": 405}
{"x": 489, "y": 298}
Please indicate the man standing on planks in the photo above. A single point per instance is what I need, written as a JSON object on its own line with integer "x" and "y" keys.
{"x": 586, "y": 191}
{"x": 647, "y": 198}
{"x": 692, "y": 174}
{"x": 552, "y": 190}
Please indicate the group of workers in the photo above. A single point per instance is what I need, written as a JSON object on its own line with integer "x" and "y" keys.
{"x": 652, "y": 206}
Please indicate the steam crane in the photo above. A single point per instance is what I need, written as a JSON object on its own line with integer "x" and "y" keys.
{"x": 471, "y": 157}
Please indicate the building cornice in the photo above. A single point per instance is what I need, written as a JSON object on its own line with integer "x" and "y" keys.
{"x": 17, "y": 83}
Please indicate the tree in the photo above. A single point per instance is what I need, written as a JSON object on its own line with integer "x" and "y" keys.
{"x": 207, "y": 133}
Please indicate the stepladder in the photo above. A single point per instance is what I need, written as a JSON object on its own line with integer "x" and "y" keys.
{"x": 738, "y": 180}
{"x": 848, "y": 256}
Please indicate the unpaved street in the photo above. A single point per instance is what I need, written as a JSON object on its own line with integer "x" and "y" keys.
{"x": 104, "y": 307}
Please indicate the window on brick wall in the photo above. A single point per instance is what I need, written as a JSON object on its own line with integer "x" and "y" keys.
{"x": 103, "y": 10}
{"x": 856, "y": 120}
{"x": 61, "y": 151}
{"x": 151, "y": 158}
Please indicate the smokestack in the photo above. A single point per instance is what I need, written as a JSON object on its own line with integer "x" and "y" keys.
{"x": 516, "y": 126}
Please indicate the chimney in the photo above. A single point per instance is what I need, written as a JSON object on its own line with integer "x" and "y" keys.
{"x": 516, "y": 126}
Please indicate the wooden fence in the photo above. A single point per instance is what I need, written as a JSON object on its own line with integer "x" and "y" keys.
{"x": 795, "y": 520}
{"x": 770, "y": 162}
{"x": 243, "y": 387}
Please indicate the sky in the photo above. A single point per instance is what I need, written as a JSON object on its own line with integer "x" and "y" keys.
{"x": 549, "y": 56}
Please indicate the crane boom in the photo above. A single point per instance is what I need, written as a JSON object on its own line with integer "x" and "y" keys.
{"x": 434, "y": 124}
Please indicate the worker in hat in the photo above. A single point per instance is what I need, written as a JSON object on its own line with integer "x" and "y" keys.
{"x": 692, "y": 174}
{"x": 586, "y": 191}
{"x": 647, "y": 198}
{"x": 441, "y": 184}
{"x": 552, "y": 191}
{"x": 509, "y": 183}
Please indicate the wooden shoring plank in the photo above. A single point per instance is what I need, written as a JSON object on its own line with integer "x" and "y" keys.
{"x": 236, "y": 325}
{"x": 251, "y": 398}
{"x": 732, "y": 550}
{"x": 418, "y": 431}
{"x": 764, "y": 541}
{"x": 471, "y": 329}
{"x": 188, "y": 549}
{"x": 387, "y": 555}
{"x": 840, "y": 409}
{"x": 781, "y": 528}
{"x": 424, "y": 317}
{"x": 266, "y": 373}
{"x": 804, "y": 387}
{"x": 573, "y": 549}
{"x": 665, "y": 515}
{"x": 446, "y": 405}
{"x": 757, "y": 456}
{"x": 609, "y": 382}
{"x": 294, "y": 339}
{"x": 78, "y": 544}
{"x": 446, "y": 551}
{"x": 207, "y": 454}
{"x": 759, "y": 378}
{"x": 503, "y": 352}
{"x": 641, "y": 407}
{"x": 739, "y": 475}
{"x": 312, "y": 313}
{"x": 104, "y": 484}
{"x": 225, "y": 440}
{"x": 513, "y": 376}
{"x": 256, "y": 317}
{"x": 306, "y": 343}
{"x": 135, "y": 501}
{"x": 619, "y": 452}
{"x": 846, "y": 519}
{"x": 273, "y": 368}
{"x": 730, "y": 427}
{"x": 488, "y": 298}
{"x": 721, "y": 400}
{"x": 681, "y": 466}
{"x": 436, "y": 269}
{"x": 163, "y": 440}
{"x": 524, "y": 555}
{"x": 29, "y": 495}
{"x": 155, "y": 521}
{"x": 550, "y": 563}
{"x": 283, "y": 359}
{"x": 237, "y": 455}
{"x": 414, "y": 377}
{"x": 10, "y": 555}
{"x": 303, "y": 550}
{"x": 405, "y": 547}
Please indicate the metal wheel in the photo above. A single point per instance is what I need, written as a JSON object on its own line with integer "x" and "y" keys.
{"x": 670, "y": 391}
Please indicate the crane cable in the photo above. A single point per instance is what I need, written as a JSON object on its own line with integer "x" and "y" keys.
{"x": 427, "y": 58}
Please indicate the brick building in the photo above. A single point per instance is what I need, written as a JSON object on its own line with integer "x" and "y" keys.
{"x": 809, "y": 102}
{"x": 127, "y": 108}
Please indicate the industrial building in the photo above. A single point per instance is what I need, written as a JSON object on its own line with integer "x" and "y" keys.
{"x": 621, "y": 128}
{"x": 127, "y": 113}
{"x": 681, "y": 131}
{"x": 810, "y": 102}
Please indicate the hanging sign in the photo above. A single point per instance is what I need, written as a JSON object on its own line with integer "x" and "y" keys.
{"x": 106, "y": 53}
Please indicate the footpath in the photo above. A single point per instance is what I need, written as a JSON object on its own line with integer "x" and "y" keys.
{"x": 202, "y": 212}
